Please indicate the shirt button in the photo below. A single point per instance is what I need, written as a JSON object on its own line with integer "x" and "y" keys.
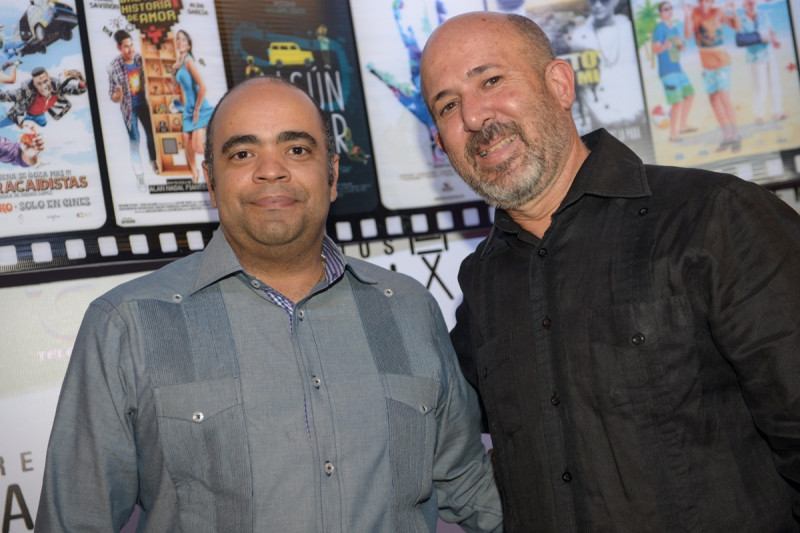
{"x": 637, "y": 339}
{"x": 546, "y": 322}
{"x": 316, "y": 381}
{"x": 566, "y": 477}
{"x": 255, "y": 283}
{"x": 642, "y": 211}
{"x": 542, "y": 252}
{"x": 301, "y": 314}
{"x": 329, "y": 468}
{"x": 198, "y": 416}
{"x": 485, "y": 371}
{"x": 555, "y": 400}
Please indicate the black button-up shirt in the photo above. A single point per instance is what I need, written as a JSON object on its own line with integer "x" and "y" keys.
{"x": 640, "y": 364}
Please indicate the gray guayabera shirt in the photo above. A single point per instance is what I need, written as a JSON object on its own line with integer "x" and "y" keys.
{"x": 188, "y": 393}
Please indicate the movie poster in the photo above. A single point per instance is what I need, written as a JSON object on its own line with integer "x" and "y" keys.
{"x": 49, "y": 173}
{"x": 412, "y": 171}
{"x": 597, "y": 38}
{"x": 158, "y": 69}
{"x": 746, "y": 107}
{"x": 311, "y": 43}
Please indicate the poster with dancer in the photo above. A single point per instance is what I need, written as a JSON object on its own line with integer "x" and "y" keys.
{"x": 311, "y": 43}
{"x": 158, "y": 70}
{"x": 49, "y": 174}
{"x": 597, "y": 38}
{"x": 721, "y": 83}
{"x": 412, "y": 171}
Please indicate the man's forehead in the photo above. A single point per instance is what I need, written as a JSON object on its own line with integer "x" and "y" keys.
{"x": 264, "y": 117}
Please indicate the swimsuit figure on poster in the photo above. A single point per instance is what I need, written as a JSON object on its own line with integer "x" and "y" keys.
{"x": 604, "y": 56}
{"x": 705, "y": 23}
{"x": 409, "y": 94}
{"x": 196, "y": 109}
{"x": 126, "y": 88}
{"x": 667, "y": 47}
{"x": 763, "y": 65}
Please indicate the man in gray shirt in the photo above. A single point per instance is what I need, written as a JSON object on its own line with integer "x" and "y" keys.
{"x": 268, "y": 383}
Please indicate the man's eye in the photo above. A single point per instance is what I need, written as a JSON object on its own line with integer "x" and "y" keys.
{"x": 447, "y": 107}
{"x": 493, "y": 80}
{"x": 241, "y": 154}
{"x": 298, "y": 150}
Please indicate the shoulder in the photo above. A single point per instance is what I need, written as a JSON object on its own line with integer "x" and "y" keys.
{"x": 692, "y": 190}
{"x": 407, "y": 296}
{"x": 173, "y": 279}
{"x": 383, "y": 277}
{"x": 694, "y": 181}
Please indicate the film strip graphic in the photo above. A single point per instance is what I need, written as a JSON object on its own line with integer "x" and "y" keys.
{"x": 773, "y": 171}
{"x": 46, "y": 257}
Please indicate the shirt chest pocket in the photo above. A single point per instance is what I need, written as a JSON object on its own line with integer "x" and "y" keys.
{"x": 636, "y": 351}
{"x": 203, "y": 438}
{"x": 411, "y": 404}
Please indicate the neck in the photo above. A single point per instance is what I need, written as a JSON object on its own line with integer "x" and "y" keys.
{"x": 536, "y": 215}
{"x": 291, "y": 269}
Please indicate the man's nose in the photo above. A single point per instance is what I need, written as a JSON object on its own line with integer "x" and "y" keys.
{"x": 271, "y": 169}
{"x": 475, "y": 112}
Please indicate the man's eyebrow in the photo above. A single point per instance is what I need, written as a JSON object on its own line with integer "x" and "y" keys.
{"x": 236, "y": 140}
{"x": 471, "y": 73}
{"x": 289, "y": 136}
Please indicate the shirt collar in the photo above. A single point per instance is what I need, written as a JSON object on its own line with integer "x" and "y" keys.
{"x": 611, "y": 170}
{"x": 219, "y": 261}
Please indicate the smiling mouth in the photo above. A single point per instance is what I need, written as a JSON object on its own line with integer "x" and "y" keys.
{"x": 497, "y": 146}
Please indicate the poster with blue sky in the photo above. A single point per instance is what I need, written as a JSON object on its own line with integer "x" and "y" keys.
{"x": 412, "y": 171}
{"x": 159, "y": 73}
{"x": 50, "y": 179}
{"x": 742, "y": 126}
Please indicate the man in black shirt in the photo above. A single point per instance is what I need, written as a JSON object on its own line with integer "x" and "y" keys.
{"x": 633, "y": 330}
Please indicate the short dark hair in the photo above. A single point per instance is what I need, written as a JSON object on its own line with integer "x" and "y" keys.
{"x": 38, "y": 71}
{"x": 536, "y": 38}
{"x": 330, "y": 144}
{"x": 121, "y": 35}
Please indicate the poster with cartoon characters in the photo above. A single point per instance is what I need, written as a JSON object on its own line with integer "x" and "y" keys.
{"x": 49, "y": 173}
{"x": 158, "y": 70}
{"x": 412, "y": 171}
{"x": 721, "y": 83}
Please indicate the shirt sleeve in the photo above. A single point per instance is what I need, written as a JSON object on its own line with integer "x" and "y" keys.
{"x": 660, "y": 33}
{"x": 462, "y": 473}
{"x": 112, "y": 80}
{"x": 754, "y": 317}
{"x": 90, "y": 478}
{"x": 763, "y": 26}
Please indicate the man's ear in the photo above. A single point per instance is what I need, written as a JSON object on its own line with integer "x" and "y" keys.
{"x": 440, "y": 142}
{"x": 209, "y": 182}
{"x": 335, "y": 174}
{"x": 560, "y": 80}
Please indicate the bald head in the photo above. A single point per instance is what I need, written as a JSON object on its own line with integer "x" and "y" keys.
{"x": 502, "y": 33}
{"x": 229, "y": 98}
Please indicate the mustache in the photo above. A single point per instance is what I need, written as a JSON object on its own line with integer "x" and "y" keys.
{"x": 488, "y": 133}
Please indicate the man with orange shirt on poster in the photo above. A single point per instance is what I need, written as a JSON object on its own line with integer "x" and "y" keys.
{"x": 706, "y": 22}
